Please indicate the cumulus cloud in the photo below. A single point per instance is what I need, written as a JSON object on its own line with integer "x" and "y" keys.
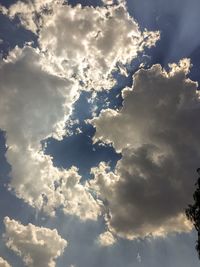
{"x": 157, "y": 131}
{"x": 4, "y": 263}
{"x": 29, "y": 90}
{"x": 84, "y": 42}
{"x": 39, "y": 86}
{"x": 89, "y": 42}
{"x": 37, "y": 246}
{"x": 34, "y": 105}
{"x": 106, "y": 239}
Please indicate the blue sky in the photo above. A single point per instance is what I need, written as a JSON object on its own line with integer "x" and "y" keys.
{"x": 39, "y": 90}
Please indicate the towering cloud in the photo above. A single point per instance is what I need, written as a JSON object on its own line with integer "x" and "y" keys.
{"x": 157, "y": 131}
{"x": 38, "y": 246}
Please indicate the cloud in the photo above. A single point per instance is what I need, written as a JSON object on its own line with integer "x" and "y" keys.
{"x": 108, "y": 2}
{"x": 29, "y": 91}
{"x": 35, "y": 105}
{"x": 39, "y": 87}
{"x": 84, "y": 42}
{"x": 3, "y": 10}
{"x": 157, "y": 131}
{"x": 106, "y": 239}
{"x": 89, "y": 42}
{"x": 29, "y": 13}
{"x": 4, "y": 263}
{"x": 37, "y": 246}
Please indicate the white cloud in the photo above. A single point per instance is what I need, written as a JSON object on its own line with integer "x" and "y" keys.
{"x": 108, "y": 2}
{"x": 30, "y": 91}
{"x": 30, "y": 12}
{"x": 75, "y": 198}
{"x": 34, "y": 105}
{"x": 37, "y": 246}
{"x": 106, "y": 239}
{"x": 157, "y": 131}
{"x": 4, "y": 263}
{"x": 86, "y": 43}
{"x": 89, "y": 42}
{"x": 3, "y": 10}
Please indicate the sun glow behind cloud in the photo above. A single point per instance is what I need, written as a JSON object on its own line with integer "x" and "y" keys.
{"x": 56, "y": 90}
{"x": 80, "y": 49}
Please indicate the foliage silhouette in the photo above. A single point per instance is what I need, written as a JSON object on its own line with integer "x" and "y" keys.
{"x": 193, "y": 212}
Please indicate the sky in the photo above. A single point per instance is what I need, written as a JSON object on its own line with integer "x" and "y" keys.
{"x": 99, "y": 132}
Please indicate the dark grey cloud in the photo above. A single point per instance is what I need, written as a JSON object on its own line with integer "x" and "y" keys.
{"x": 157, "y": 131}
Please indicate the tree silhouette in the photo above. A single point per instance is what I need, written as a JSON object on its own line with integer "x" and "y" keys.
{"x": 193, "y": 212}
